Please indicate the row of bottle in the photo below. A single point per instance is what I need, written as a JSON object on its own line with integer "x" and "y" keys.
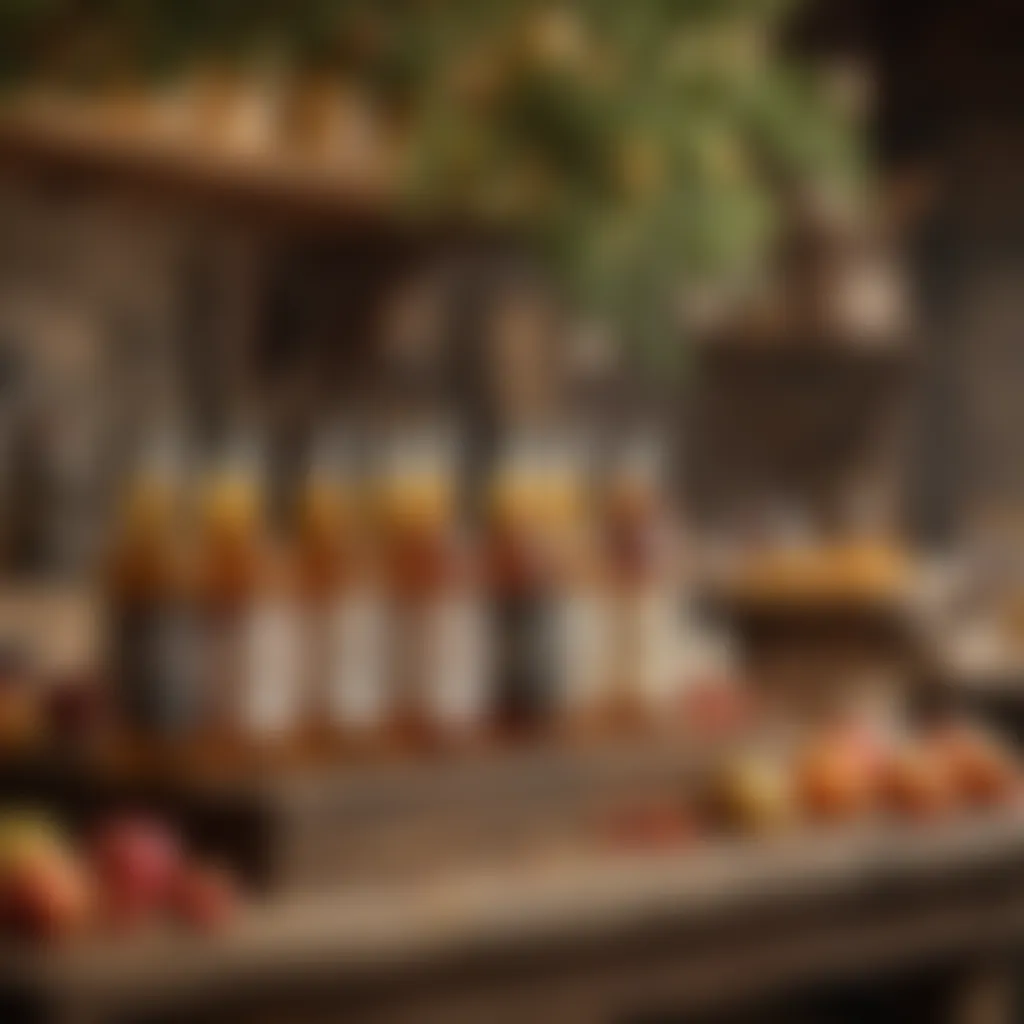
{"x": 390, "y": 604}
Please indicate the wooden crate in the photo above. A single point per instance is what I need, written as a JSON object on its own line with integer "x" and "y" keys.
{"x": 304, "y": 828}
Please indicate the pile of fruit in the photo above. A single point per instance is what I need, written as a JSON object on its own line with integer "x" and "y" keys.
{"x": 844, "y": 774}
{"x": 130, "y": 873}
{"x": 850, "y": 773}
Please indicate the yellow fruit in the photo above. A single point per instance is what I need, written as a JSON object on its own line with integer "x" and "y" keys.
{"x": 755, "y": 795}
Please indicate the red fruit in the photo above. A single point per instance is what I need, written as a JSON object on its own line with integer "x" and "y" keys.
{"x": 46, "y": 897}
{"x": 205, "y": 897}
{"x": 137, "y": 861}
{"x": 864, "y": 744}
{"x": 125, "y": 910}
{"x": 981, "y": 770}
{"x": 833, "y": 783}
{"x": 916, "y": 783}
{"x": 654, "y": 824}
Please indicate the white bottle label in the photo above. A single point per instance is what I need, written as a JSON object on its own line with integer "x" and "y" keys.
{"x": 456, "y": 663}
{"x": 581, "y": 632}
{"x": 270, "y": 698}
{"x": 357, "y": 658}
{"x": 652, "y": 648}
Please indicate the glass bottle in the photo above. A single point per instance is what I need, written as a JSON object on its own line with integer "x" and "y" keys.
{"x": 641, "y": 558}
{"x": 581, "y": 605}
{"x": 440, "y": 674}
{"x": 249, "y": 599}
{"x": 546, "y": 629}
{"x": 154, "y": 647}
{"x": 346, "y": 625}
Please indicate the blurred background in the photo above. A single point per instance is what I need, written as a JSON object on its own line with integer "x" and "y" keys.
{"x": 472, "y": 454}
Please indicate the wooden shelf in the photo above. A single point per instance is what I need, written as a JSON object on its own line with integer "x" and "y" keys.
{"x": 266, "y": 184}
{"x": 797, "y": 347}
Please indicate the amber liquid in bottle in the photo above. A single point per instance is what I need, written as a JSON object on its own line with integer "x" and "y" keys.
{"x": 439, "y": 678}
{"x": 154, "y": 644}
{"x": 546, "y": 597}
{"x": 344, "y": 617}
{"x": 521, "y": 579}
{"x": 249, "y": 601}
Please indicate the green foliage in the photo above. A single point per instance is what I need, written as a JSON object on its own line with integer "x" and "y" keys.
{"x": 636, "y": 142}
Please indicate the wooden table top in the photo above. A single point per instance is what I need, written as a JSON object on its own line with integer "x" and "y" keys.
{"x": 367, "y": 936}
